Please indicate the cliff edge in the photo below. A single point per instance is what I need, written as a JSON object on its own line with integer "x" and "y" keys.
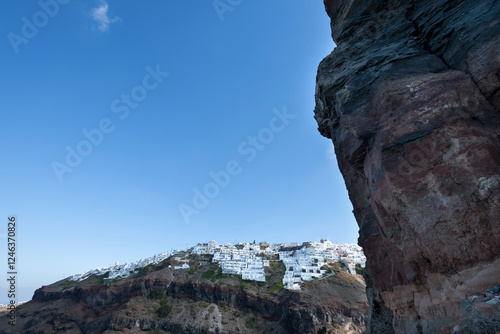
{"x": 201, "y": 300}
{"x": 410, "y": 98}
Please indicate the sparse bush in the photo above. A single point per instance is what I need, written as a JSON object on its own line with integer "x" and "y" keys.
{"x": 156, "y": 331}
{"x": 219, "y": 274}
{"x": 66, "y": 284}
{"x": 250, "y": 324}
{"x": 203, "y": 304}
{"x": 360, "y": 270}
{"x": 164, "y": 310}
{"x": 380, "y": 323}
{"x": 208, "y": 274}
{"x": 278, "y": 286}
{"x": 99, "y": 281}
{"x": 156, "y": 293}
{"x": 475, "y": 322}
{"x": 144, "y": 270}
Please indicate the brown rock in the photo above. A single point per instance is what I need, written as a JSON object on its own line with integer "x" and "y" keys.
{"x": 410, "y": 98}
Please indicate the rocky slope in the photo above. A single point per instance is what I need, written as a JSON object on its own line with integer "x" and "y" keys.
{"x": 410, "y": 98}
{"x": 158, "y": 299}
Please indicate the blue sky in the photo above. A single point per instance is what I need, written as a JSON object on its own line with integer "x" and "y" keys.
{"x": 170, "y": 94}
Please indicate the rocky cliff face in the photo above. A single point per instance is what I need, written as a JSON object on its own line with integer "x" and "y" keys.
{"x": 195, "y": 304}
{"x": 410, "y": 98}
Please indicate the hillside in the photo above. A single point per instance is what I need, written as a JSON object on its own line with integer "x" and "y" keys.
{"x": 160, "y": 299}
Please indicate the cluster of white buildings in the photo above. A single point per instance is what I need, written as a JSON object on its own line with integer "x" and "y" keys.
{"x": 303, "y": 262}
{"x": 120, "y": 270}
{"x": 300, "y": 267}
{"x": 243, "y": 259}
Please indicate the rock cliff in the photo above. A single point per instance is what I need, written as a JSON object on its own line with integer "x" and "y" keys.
{"x": 194, "y": 301}
{"x": 410, "y": 98}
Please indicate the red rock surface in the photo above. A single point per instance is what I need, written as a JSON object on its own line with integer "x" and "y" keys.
{"x": 221, "y": 305}
{"x": 410, "y": 98}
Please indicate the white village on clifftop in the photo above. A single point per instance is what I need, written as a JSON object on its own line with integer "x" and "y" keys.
{"x": 303, "y": 262}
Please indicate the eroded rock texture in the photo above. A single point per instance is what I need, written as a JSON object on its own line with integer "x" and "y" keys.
{"x": 223, "y": 305}
{"x": 410, "y": 98}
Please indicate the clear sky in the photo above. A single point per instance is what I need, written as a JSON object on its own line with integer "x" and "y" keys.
{"x": 132, "y": 128}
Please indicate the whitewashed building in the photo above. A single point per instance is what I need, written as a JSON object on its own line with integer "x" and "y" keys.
{"x": 303, "y": 262}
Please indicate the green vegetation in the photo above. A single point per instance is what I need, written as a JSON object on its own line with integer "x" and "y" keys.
{"x": 144, "y": 270}
{"x": 208, "y": 274}
{"x": 219, "y": 274}
{"x": 360, "y": 270}
{"x": 274, "y": 281}
{"x": 327, "y": 269}
{"x": 278, "y": 286}
{"x": 164, "y": 310}
{"x": 250, "y": 324}
{"x": 66, "y": 284}
{"x": 244, "y": 283}
{"x": 118, "y": 279}
{"x": 99, "y": 281}
{"x": 156, "y": 331}
{"x": 157, "y": 293}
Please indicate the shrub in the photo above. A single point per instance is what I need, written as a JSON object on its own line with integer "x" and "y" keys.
{"x": 99, "y": 281}
{"x": 66, "y": 284}
{"x": 219, "y": 274}
{"x": 208, "y": 274}
{"x": 475, "y": 322}
{"x": 164, "y": 310}
{"x": 250, "y": 324}
{"x": 157, "y": 293}
{"x": 360, "y": 270}
{"x": 278, "y": 286}
{"x": 156, "y": 331}
{"x": 144, "y": 270}
{"x": 381, "y": 322}
{"x": 321, "y": 331}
